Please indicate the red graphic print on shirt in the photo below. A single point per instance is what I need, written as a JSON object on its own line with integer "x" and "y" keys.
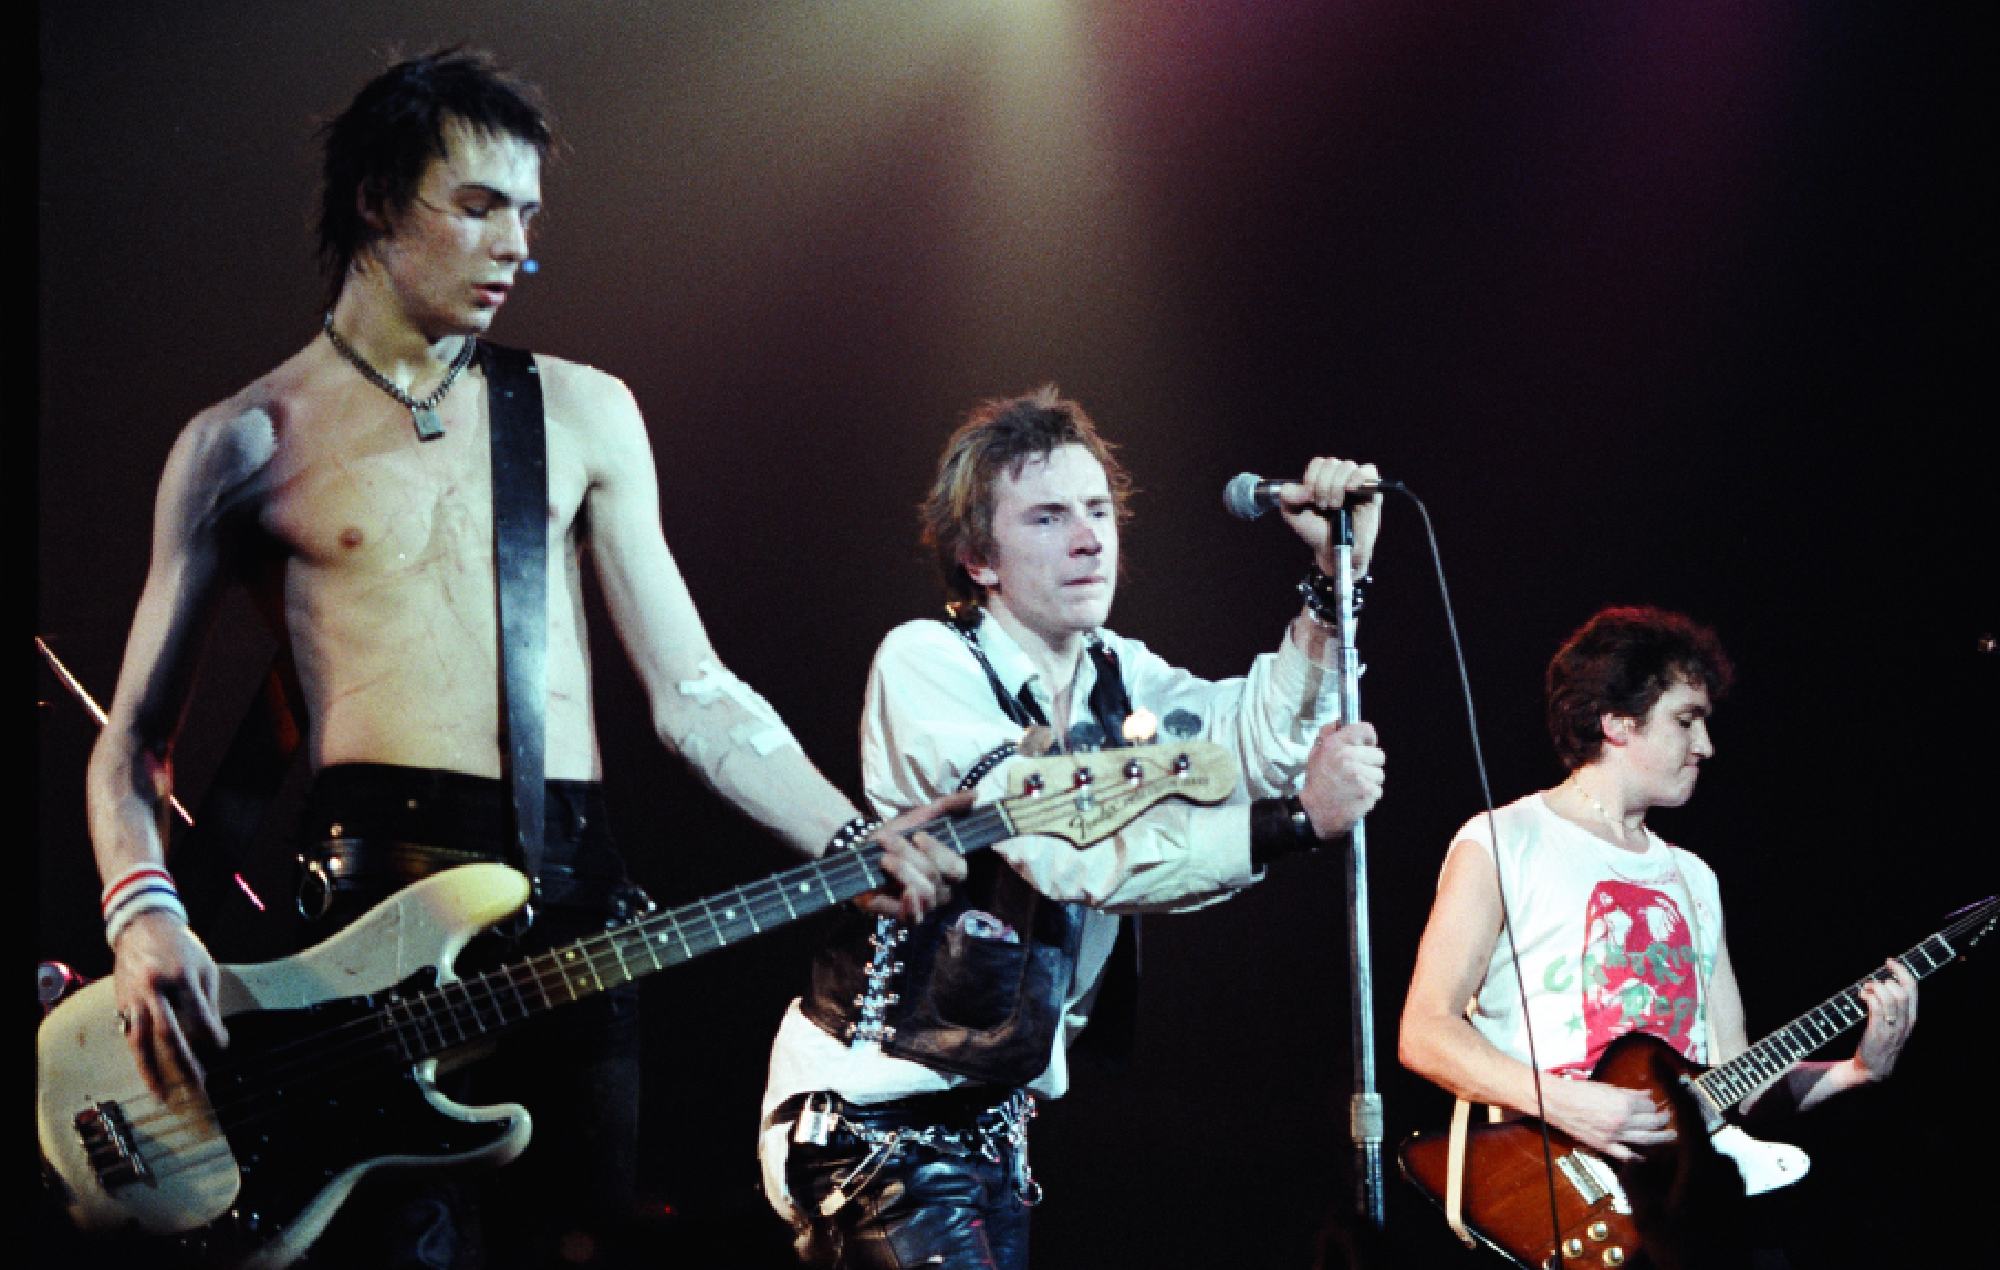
{"x": 1638, "y": 969}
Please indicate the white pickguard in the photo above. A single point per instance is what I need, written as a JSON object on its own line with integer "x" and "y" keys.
{"x": 1765, "y": 1166}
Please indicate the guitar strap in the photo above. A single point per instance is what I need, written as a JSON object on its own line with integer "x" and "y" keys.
{"x": 519, "y": 442}
{"x": 260, "y": 753}
{"x": 1454, "y": 1170}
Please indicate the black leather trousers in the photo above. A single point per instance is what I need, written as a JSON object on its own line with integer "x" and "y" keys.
{"x": 946, "y": 1193}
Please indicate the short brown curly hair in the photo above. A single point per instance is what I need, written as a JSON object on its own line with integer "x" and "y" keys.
{"x": 1620, "y": 662}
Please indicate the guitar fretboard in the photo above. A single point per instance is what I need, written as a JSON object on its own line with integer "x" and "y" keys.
{"x": 452, "y": 1014}
{"x": 1730, "y": 1083}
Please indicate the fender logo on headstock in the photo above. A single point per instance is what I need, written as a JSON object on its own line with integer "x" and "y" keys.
{"x": 1087, "y": 797}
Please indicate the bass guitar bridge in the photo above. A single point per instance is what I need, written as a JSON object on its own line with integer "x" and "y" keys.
{"x": 108, "y": 1144}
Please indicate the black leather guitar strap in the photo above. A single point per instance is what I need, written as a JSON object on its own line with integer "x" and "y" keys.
{"x": 247, "y": 781}
{"x": 521, "y": 578}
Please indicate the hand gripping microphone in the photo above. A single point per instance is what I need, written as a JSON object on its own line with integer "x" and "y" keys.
{"x": 1250, "y": 496}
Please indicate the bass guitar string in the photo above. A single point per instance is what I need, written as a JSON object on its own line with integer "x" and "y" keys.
{"x": 378, "y": 1044}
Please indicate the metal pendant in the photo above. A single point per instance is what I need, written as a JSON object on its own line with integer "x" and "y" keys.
{"x": 429, "y": 426}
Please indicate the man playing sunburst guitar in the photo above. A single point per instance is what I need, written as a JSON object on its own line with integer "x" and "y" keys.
{"x": 1613, "y": 931}
{"x": 353, "y": 486}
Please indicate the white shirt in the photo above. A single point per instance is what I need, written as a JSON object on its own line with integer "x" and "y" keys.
{"x": 1609, "y": 941}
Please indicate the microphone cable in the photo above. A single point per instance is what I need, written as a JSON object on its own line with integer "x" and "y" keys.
{"x": 1493, "y": 836}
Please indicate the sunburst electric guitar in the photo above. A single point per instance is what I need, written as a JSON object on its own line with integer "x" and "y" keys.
{"x": 1505, "y": 1199}
{"x": 333, "y": 1056}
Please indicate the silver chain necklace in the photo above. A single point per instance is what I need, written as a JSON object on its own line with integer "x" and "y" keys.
{"x": 1616, "y": 824}
{"x": 423, "y": 411}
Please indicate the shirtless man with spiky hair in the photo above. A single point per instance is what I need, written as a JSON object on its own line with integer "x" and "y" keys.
{"x": 354, "y": 483}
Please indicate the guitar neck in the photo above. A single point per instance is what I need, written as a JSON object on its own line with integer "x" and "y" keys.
{"x": 455, "y": 1013}
{"x": 1762, "y": 1064}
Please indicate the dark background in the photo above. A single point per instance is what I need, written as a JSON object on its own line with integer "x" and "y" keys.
{"x": 1670, "y": 304}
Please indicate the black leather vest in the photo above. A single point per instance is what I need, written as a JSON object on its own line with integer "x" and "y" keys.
{"x": 977, "y": 987}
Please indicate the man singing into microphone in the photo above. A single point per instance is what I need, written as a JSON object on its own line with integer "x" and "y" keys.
{"x": 895, "y": 1116}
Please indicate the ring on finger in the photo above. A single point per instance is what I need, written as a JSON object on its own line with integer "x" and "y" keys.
{"x": 124, "y": 1022}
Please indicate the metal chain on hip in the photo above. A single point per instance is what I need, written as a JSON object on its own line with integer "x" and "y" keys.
{"x": 423, "y": 410}
{"x": 817, "y": 1124}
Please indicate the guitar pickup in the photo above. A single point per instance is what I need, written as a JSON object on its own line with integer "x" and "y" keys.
{"x": 109, "y": 1145}
{"x": 1593, "y": 1180}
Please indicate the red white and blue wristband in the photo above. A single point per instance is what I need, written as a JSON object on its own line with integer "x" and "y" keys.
{"x": 143, "y": 888}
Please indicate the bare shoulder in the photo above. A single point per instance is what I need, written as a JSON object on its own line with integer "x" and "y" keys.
{"x": 584, "y": 395}
{"x": 594, "y": 412}
{"x": 221, "y": 452}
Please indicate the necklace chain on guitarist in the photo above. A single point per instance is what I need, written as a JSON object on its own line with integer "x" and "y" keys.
{"x": 423, "y": 410}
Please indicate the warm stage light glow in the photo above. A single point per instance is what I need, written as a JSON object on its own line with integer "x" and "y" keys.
{"x": 951, "y": 169}
{"x": 1050, "y": 248}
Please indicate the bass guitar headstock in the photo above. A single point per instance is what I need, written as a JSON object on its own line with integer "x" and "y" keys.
{"x": 1086, "y": 798}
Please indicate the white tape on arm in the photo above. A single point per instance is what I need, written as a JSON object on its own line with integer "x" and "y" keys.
{"x": 755, "y": 727}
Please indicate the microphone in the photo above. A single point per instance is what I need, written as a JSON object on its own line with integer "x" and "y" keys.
{"x": 1250, "y": 496}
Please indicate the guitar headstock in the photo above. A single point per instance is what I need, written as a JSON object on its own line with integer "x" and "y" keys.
{"x": 1085, "y": 798}
{"x": 1976, "y": 921}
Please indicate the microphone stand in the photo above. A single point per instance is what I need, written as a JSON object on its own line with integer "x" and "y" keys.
{"x": 1364, "y": 1117}
{"x": 96, "y": 712}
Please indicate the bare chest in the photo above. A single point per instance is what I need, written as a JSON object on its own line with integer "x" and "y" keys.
{"x": 358, "y": 496}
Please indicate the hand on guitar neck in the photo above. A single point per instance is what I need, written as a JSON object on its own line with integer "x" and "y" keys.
{"x": 1505, "y": 1200}
{"x": 923, "y": 867}
{"x": 920, "y": 864}
{"x": 1890, "y": 996}
{"x": 1892, "y": 1012}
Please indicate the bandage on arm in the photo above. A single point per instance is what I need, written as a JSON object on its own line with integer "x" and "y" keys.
{"x": 741, "y": 749}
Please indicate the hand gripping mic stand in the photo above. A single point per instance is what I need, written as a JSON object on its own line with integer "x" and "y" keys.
{"x": 1364, "y": 1117}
